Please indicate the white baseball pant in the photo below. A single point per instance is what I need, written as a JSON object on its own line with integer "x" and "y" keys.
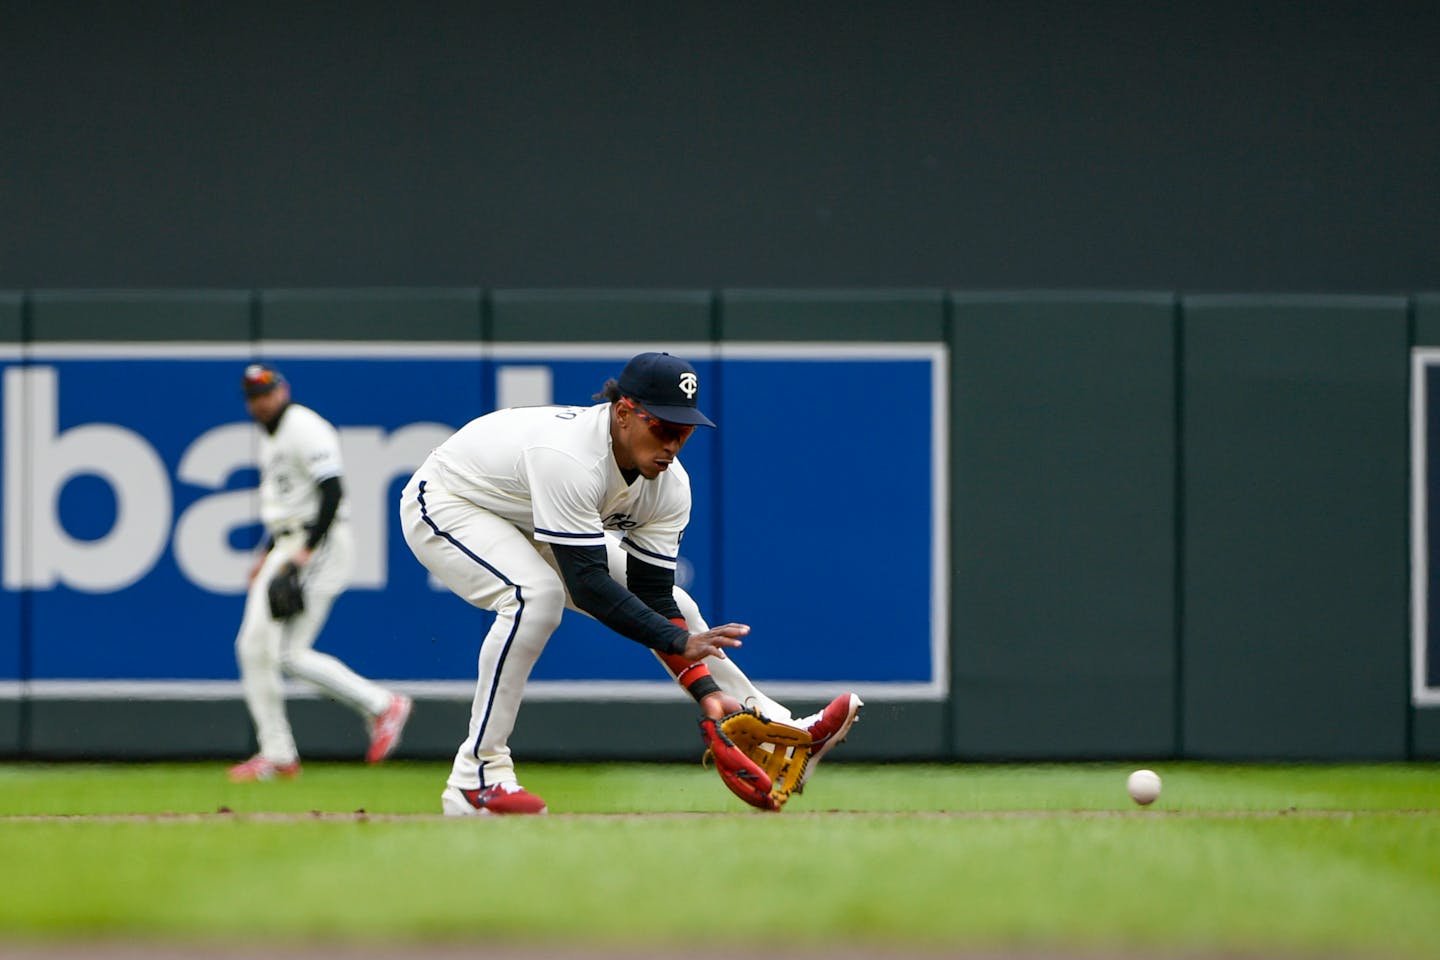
{"x": 488, "y": 562}
{"x": 267, "y": 650}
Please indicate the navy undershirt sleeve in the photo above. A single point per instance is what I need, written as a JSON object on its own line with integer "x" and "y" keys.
{"x": 586, "y": 572}
{"x": 330, "y": 494}
{"x": 653, "y": 584}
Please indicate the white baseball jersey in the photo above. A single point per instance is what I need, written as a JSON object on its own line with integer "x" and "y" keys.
{"x": 303, "y": 450}
{"x": 551, "y": 472}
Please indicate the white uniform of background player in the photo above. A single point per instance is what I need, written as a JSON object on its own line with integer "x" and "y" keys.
{"x": 507, "y": 512}
{"x": 300, "y": 467}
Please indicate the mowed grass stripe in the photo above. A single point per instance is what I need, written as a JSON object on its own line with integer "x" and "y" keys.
{"x": 1321, "y": 860}
{"x": 414, "y": 787}
{"x": 1289, "y": 883}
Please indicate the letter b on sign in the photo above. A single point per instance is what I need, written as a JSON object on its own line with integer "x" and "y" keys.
{"x": 40, "y": 460}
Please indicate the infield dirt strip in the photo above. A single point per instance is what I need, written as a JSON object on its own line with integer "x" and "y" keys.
{"x": 361, "y": 816}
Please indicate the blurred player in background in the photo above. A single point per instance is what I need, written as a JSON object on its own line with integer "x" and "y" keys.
{"x": 302, "y": 507}
{"x": 530, "y": 510}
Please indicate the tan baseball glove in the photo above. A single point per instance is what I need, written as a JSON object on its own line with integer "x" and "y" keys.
{"x": 759, "y": 759}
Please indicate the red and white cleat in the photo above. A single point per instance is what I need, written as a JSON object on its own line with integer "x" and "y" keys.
{"x": 828, "y": 728}
{"x": 502, "y": 798}
{"x": 257, "y": 768}
{"x": 385, "y": 731}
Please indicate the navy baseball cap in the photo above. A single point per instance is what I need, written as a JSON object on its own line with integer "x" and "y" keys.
{"x": 260, "y": 379}
{"x": 666, "y": 386}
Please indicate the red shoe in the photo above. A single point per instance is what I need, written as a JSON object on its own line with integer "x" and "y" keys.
{"x": 257, "y": 768}
{"x": 828, "y": 728}
{"x": 499, "y": 799}
{"x": 385, "y": 731}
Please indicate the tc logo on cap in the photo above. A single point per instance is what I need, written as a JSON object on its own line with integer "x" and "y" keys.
{"x": 666, "y": 386}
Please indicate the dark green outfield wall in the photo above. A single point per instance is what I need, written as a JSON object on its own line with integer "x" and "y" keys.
{"x": 1063, "y": 510}
{"x": 1179, "y": 524}
{"x": 1295, "y": 480}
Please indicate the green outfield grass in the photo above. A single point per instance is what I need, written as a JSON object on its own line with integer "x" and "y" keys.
{"x": 1294, "y": 859}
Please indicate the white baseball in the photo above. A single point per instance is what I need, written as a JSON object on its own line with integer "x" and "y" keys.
{"x": 1143, "y": 786}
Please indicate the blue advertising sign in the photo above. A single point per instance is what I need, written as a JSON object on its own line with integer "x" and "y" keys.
{"x": 129, "y": 516}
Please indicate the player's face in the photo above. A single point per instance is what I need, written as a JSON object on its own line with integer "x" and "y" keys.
{"x": 646, "y": 443}
{"x": 264, "y": 407}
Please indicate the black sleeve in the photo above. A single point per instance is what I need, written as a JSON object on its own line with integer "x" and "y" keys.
{"x": 330, "y": 494}
{"x": 652, "y": 584}
{"x": 587, "y": 576}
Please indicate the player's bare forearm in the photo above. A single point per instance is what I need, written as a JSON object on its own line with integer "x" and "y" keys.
{"x": 714, "y": 642}
{"x": 719, "y": 704}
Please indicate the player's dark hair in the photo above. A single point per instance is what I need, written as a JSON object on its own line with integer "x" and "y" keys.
{"x": 610, "y": 392}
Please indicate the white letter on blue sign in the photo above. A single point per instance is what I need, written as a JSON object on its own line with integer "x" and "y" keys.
{"x": 40, "y": 460}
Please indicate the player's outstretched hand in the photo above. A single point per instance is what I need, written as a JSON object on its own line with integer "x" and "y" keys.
{"x": 712, "y": 642}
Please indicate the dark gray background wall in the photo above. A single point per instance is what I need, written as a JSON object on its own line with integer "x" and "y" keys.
{"x": 1226, "y": 146}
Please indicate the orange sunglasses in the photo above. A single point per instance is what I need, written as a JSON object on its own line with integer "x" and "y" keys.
{"x": 664, "y": 430}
